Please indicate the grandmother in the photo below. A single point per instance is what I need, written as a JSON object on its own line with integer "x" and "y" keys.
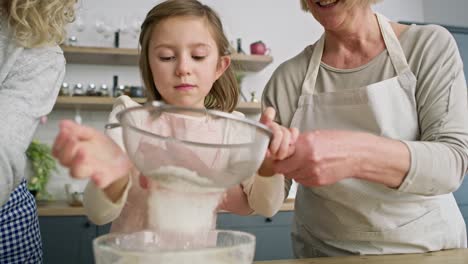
{"x": 382, "y": 110}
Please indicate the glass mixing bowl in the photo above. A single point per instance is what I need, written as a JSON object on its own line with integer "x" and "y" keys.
{"x": 146, "y": 247}
{"x": 206, "y": 147}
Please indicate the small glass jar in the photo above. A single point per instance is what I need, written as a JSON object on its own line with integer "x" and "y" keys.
{"x": 92, "y": 90}
{"x": 64, "y": 89}
{"x": 79, "y": 90}
{"x": 137, "y": 92}
{"x": 119, "y": 90}
{"x": 103, "y": 90}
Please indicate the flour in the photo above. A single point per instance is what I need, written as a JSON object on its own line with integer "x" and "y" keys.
{"x": 181, "y": 209}
{"x": 183, "y": 180}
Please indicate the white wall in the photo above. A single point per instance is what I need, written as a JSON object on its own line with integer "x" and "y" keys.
{"x": 449, "y": 12}
{"x": 397, "y": 10}
{"x": 279, "y": 23}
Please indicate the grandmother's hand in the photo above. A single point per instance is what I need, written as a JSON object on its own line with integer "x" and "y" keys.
{"x": 322, "y": 158}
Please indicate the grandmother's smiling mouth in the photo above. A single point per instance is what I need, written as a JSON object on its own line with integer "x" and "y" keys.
{"x": 326, "y": 3}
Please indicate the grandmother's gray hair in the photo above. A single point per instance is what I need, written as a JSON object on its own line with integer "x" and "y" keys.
{"x": 363, "y": 2}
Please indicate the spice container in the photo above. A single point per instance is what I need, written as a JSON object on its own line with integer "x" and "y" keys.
{"x": 78, "y": 90}
{"x": 119, "y": 91}
{"x": 91, "y": 91}
{"x": 103, "y": 90}
{"x": 137, "y": 91}
{"x": 64, "y": 89}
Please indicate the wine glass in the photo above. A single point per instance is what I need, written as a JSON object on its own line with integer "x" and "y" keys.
{"x": 104, "y": 28}
{"x": 78, "y": 26}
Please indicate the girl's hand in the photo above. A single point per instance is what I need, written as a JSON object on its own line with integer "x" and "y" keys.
{"x": 235, "y": 201}
{"x": 282, "y": 144}
{"x": 89, "y": 153}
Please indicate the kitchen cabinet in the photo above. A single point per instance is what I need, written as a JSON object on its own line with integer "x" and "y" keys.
{"x": 69, "y": 238}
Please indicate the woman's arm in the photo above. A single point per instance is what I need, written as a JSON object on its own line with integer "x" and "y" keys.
{"x": 439, "y": 160}
{"x": 30, "y": 83}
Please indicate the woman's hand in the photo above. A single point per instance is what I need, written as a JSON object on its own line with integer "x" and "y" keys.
{"x": 89, "y": 153}
{"x": 325, "y": 157}
{"x": 320, "y": 158}
{"x": 282, "y": 143}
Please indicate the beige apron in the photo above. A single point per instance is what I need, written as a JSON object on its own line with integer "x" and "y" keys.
{"x": 361, "y": 217}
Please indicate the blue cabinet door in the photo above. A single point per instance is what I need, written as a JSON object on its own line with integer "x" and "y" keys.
{"x": 273, "y": 235}
{"x": 102, "y": 230}
{"x": 67, "y": 239}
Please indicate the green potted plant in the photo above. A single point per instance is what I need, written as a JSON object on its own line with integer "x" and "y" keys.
{"x": 42, "y": 165}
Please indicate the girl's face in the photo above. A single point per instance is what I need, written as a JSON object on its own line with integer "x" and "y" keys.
{"x": 184, "y": 60}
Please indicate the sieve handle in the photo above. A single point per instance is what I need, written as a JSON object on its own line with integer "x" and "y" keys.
{"x": 112, "y": 125}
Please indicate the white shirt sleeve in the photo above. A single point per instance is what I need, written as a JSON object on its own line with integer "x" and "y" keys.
{"x": 98, "y": 207}
{"x": 265, "y": 194}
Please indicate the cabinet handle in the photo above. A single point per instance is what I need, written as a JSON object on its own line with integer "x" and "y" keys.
{"x": 87, "y": 224}
{"x": 268, "y": 220}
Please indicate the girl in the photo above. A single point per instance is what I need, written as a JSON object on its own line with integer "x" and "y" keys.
{"x": 184, "y": 61}
{"x": 32, "y": 68}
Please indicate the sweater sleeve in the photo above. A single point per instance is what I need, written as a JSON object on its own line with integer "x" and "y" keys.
{"x": 265, "y": 194}
{"x": 439, "y": 160}
{"x": 98, "y": 207}
{"x": 28, "y": 91}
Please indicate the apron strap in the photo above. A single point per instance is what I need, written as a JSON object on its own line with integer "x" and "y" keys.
{"x": 395, "y": 51}
{"x": 308, "y": 86}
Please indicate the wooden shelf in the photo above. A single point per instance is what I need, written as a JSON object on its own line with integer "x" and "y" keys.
{"x": 96, "y": 55}
{"x": 122, "y": 56}
{"x": 105, "y": 103}
{"x": 249, "y": 108}
{"x": 250, "y": 63}
{"x": 88, "y": 102}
